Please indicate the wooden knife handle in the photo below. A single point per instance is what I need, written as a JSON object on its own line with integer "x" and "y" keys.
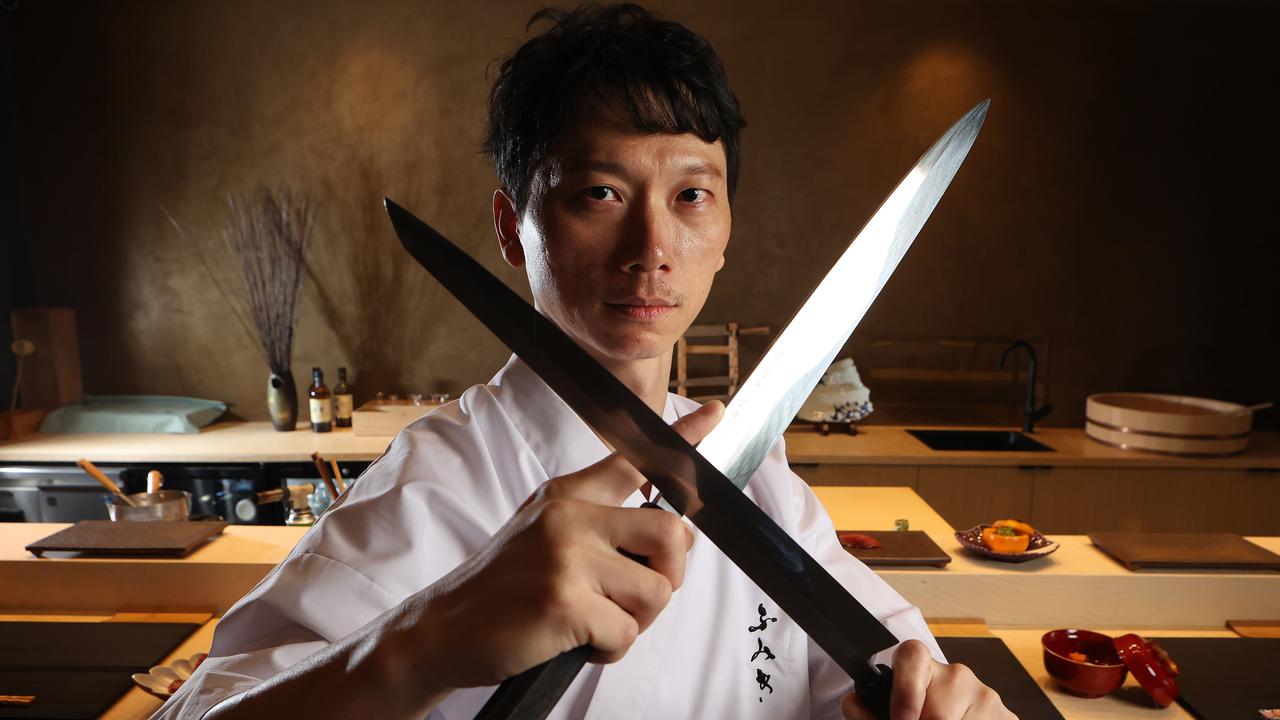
{"x": 531, "y": 694}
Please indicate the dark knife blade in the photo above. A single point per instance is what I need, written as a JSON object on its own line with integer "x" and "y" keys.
{"x": 695, "y": 488}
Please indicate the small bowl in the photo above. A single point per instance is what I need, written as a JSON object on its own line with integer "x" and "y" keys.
{"x": 164, "y": 680}
{"x": 1039, "y": 546}
{"x": 1104, "y": 674}
{"x": 162, "y": 505}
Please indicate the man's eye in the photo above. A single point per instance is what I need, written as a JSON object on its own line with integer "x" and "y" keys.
{"x": 601, "y": 192}
{"x": 693, "y": 195}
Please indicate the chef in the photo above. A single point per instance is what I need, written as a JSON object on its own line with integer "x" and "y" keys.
{"x": 485, "y": 540}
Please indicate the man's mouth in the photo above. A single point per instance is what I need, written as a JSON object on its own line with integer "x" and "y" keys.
{"x": 641, "y": 308}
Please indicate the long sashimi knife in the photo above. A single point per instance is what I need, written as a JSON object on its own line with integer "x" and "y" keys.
{"x": 777, "y": 564}
{"x": 767, "y": 402}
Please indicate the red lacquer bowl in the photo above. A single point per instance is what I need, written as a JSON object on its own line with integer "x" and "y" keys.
{"x": 1101, "y": 674}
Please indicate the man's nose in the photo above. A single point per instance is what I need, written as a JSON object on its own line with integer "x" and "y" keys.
{"x": 650, "y": 240}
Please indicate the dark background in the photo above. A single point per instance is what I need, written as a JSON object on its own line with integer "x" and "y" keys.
{"x": 1117, "y": 209}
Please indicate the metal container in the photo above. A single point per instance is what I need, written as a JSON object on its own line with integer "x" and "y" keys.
{"x": 163, "y": 505}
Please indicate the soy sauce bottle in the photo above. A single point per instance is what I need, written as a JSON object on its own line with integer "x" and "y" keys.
{"x": 321, "y": 402}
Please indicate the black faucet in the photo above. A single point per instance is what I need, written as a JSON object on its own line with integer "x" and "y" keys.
{"x": 1030, "y": 414}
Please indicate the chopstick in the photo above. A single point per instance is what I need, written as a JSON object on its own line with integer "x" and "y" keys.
{"x": 104, "y": 481}
{"x": 337, "y": 475}
{"x": 324, "y": 474}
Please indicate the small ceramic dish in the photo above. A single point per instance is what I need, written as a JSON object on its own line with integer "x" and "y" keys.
{"x": 164, "y": 680}
{"x": 1039, "y": 546}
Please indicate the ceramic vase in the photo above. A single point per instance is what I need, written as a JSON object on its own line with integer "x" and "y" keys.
{"x": 282, "y": 400}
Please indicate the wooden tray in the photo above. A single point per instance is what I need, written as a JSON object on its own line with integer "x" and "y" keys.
{"x": 103, "y": 537}
{"x": 910, "y": 547}
{"x": 1144, "y": 551}
{"x": 75, "y": 669}
{"x": 1225, "y": 677}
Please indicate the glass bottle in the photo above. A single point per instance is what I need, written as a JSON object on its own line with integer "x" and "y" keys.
{"x": 321, "y": 402}
{"x": 343, "y": 400}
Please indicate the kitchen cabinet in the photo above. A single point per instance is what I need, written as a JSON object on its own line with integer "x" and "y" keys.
{"x": 970, "y": 495}
{"x": 857, "y": 475}
{"x": 1081, "y": 500}
{"x": 1080, "y": 487}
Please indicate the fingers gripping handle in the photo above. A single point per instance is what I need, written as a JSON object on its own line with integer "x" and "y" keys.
{"x": 875, "y": 693}
{"x": 531, "y": 694}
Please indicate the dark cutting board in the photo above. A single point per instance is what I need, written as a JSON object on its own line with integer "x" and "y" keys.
{"x": 103, "y": 537}
{"x": 77, "y": 670}
{"x": 1213, "y": 551}
{"x": 990, "y": 659}
{"x": 909, "y": 547}
{"x": 1226, "y": 677}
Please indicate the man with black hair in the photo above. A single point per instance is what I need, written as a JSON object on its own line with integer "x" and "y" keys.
{"x": 485, "y": 540}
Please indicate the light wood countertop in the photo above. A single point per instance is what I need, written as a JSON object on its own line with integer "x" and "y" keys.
{"x": 1076, "y": 586}
{"x": 223, "y": 442}
{"x": 873, "y": 445}
{"x": 890, "y": 445}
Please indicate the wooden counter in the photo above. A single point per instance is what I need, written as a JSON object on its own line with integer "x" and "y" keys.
{"x": 212, "y": 578}
{"x": 873, "y": 445}
{"x": 1076, "y": 586}
{"x": 886, "y": 445}
{"x": 224, "y": 442}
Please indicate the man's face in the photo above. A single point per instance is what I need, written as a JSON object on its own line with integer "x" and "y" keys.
{"x": 622, "y": 234}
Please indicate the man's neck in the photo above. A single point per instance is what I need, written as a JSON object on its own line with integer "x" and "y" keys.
{"x": 649, "y": 378}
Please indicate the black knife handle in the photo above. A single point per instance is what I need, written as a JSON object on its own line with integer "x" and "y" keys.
{"x": 531, "y": 694}
{"x": 875, "y": 694}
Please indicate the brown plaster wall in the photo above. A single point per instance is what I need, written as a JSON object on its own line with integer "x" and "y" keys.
{"x": 1117, "y": 206}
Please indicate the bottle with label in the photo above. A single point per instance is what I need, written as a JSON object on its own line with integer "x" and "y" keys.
{"x": 321, "y": 403}
{"x": 343, "y": 400}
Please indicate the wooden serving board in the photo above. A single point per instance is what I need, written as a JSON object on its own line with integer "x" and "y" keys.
{"x": 1144, "y": 551}
{"x": 1225, "y": 677}
{"x": 909, "y": 547}
{"x": 103, "y": 537}
{"x": 77, "y": 670}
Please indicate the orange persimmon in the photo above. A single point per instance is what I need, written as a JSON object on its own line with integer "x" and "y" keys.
{"x": 1017, "y": 525}
{"x": 1005, "y": 539}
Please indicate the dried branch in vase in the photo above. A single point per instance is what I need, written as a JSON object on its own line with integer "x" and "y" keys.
{"x": 268, "y": 231}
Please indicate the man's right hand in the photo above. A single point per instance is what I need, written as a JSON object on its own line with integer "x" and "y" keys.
{"x": 552, "y": 579}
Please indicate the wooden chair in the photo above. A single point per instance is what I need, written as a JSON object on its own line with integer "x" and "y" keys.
{"x": 717, "y": 339}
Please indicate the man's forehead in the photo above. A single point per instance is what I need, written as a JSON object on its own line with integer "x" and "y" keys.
{"x": 594, "y": 142}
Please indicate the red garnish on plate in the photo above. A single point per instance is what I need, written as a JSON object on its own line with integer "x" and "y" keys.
{"x": 861, "y": 541}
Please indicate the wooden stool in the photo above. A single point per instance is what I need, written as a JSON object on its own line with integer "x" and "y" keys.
{"x": 707, "y": 339}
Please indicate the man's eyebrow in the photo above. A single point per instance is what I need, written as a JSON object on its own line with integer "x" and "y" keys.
{"x": 701, "y": 168}
{"x": 692, "y": 167}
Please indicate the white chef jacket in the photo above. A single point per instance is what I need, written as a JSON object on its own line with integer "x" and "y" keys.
{"x": 720, "y": 649}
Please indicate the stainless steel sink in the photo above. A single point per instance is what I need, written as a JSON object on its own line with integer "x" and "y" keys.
{"x": 979, "y": 440}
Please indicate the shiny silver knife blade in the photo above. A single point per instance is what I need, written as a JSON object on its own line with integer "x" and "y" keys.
{"x": 777, "y": 564}
{"x": 770, "y": 398}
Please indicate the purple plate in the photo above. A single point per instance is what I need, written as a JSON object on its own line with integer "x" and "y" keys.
{"x": 1039, "y": 546}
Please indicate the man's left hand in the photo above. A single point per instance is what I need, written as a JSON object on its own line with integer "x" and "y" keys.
{"x": 927, "y": 689}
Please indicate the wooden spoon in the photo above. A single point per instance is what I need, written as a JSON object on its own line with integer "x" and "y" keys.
{"x": 105, "y": 481}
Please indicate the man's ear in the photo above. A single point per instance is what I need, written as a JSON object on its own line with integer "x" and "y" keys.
{"x": 506, "y": 223}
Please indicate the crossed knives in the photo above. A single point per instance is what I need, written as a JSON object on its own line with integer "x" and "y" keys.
{"x": 705, "y": 484}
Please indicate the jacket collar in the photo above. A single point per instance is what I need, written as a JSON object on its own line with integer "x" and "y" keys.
{"x": 561, "y": 441}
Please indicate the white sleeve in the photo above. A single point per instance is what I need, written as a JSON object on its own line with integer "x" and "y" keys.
{"x": 305, "y": 604}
